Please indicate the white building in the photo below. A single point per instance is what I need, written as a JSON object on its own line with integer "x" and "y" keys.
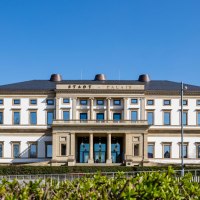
{"x": 98, "y": 122}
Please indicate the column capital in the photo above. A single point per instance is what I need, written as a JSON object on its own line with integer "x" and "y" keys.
{"x": 108, "y": 98}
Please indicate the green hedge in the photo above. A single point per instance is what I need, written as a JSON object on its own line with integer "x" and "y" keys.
{"x": 15, "y": 170}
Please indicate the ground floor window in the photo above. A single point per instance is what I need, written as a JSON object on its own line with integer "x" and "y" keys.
{"x": 167, "y": 150}
{"x": 48, "y": 149}
{"x": 151, "y": 150}
{"x": 185, "y": 150}
{"x": 33, "y": 150}
{"x": 15, "y": 149}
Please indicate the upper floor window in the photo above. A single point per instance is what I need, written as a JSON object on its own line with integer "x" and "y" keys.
{"x": 83, "y": 102}
{"x": 185, "y": 102}
{"x": 16, "y": 116}
{"x": 66, "y": 100}
{"x": 134, "y": 101}
{"x": 134, "y": 115}
{"x": 1, "y": 117}
{"x": 50, "y": 116}
{"x": 100, "y": 102}
{"x": 83, "y": 116}
{"x": 16, "y": 101}
{"x": 167, "y": 102}
{"x": 150, "y": 117}
{"x": 167, "y": 116}
{"x": 198, "y": 102}
{"x": 50, "y": 101}
{"x": 100, "y": 116}
{"x": 150, "y": 102}
{"x": 198, "y": 118}
{"x": 117, "y": 102}
{"x": 33, "y": 117}
{"x": 117, "y": 116}
{"x": 33, "y": 101}
{"x": 185, "y": 118}
{"x": 1, "y": 101}
{"x": 66, "y": 115}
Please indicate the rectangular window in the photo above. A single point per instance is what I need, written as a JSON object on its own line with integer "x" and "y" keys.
{"x": 150, "y": 102}
{"x": 63, "y": 149}
{"x": 150, "y": 118}
{"x": 198, "y": 118}
{"x": 100, "y": 102}
{"x": 33, "y": 150}
{"x": 198, "y": 102}
{"x": 1, "y": 101}
{"x": 117, "y": 116}
{"x": 185, "y": 102}
{"x": 48, "y": 149}
{"x": 66, "y": 100}
{"x": 83, "y": 102}
{"x": 185, "y": 150}
{"x": 33, "y": 118}
{"x": 83, "y": 116}
{"x": 134, "y": 115}
{"x": 1, "y": 150}
{"x": 66, "y": 115}
{"x": 100, "y": 116}
{"x": 198, "y": 151}
{"x": 50, "y": 117}
{"x": 33, "y": 101}
{"x": 167, "y": 102}
{"x": 16, "y": 150}
{"x": 16, "y": 118}
{"x": 136, "y": 149}
{"x": 117, "y": 102}
{"x": 134, "y": 101}
{"x": 167, "y": 150}
{"x": 16, "y": 101}
{"x": 151, "y": 150}
{"x": 50, "y": 101}
{"x": 185, "y": 118}
{"x": 1, "y": 117}
{"x": 167, "y": 118}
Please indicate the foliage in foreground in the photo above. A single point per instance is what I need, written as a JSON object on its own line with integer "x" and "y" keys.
{"x": 154, "y": 185}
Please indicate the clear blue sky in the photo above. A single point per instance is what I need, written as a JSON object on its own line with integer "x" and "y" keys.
{"x": 158, "y": 37}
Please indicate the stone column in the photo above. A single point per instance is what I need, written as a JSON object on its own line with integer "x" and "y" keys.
{"x": 74, "y": 108}
{"x": 142, "y": 109}
{"x": 109, "y": 159}
{"x": 91, "y": 158}
{"x": 108, "y": 108}
{"x": 57, "y": 109}
{"x": 145, "y": 147}
{"x": 91, "y": 108}
{"x": 72, "y": 157}
{"x": 125, "y": 109}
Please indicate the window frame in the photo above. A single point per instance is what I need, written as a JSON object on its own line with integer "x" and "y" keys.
{"x": 102, "y": 113}
{"x": 13, "y": 117}
{"x": 33, "y": 104}
{"x": 12, "y": 146}
{"x": 63, "y": 115}
{"x": 164, "y": 112}
{"x": 117, "y": 104}
{"x": 49, "y": 111}
{"x": 2, "y": 111}
{"x": 50, "y": 104}
{"x": 83, "y": 100}
{"x": 198, "y": 100}
{"x": 150, "y": 111}
{"x": 148, "y": 100}
{"x": 63, "y": 101}
{"x": 100, "y": 104}
{"x": 117, "y": 113}
{"x": 46, "y": 144}
{"x": 14, "y": 102}
{"x": 166, "y": 144}
{"x": 2, "y": 143}
{"x": 33, "y": 111}
{"x": 29, "y": 149}
{"x": 136, "y": 115}
{"x": 184, "y": 144}
{"x": 152, "y": 144}
{"x": 134, "y": 103}
{"x": 166, "y": 100}
{"x": 2, "y": 102}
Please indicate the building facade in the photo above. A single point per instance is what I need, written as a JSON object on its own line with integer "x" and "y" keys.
{"x": 98, "y": 122}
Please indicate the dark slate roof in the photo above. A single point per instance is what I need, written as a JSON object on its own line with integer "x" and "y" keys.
{"x": 45, "y": 85}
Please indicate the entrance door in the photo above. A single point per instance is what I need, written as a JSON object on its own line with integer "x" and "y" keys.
{"x": 116, "y": 149}
{"x": 100, "y": 146}
{"x": 83, "y": 149}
